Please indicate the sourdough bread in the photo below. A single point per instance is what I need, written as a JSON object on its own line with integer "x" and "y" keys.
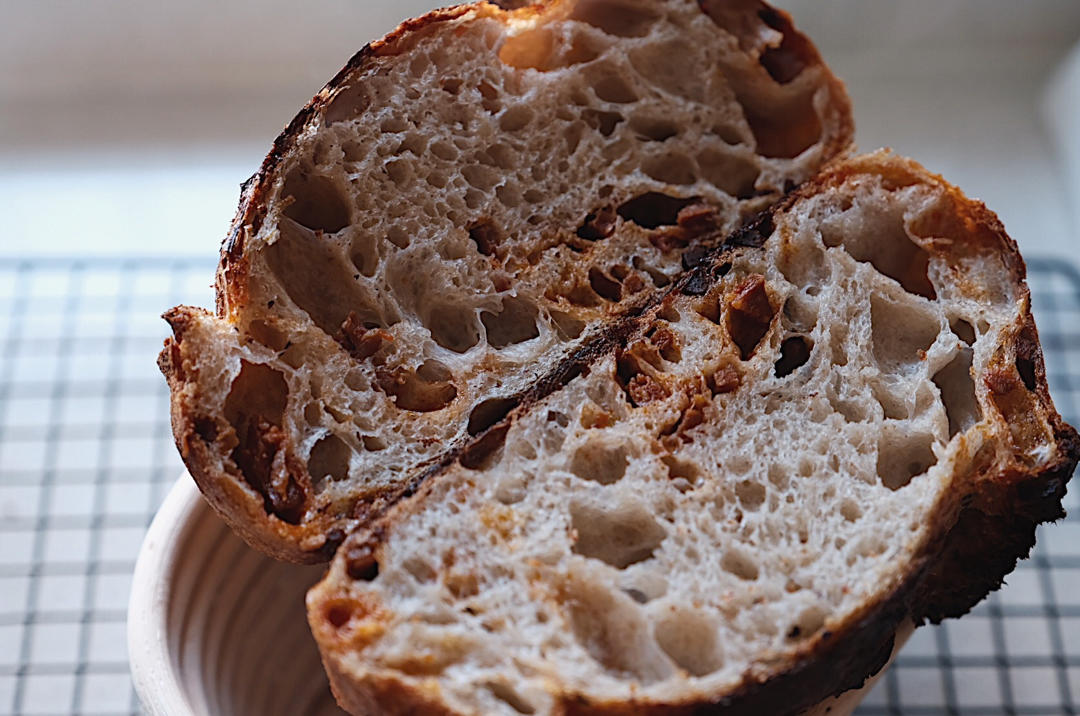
{"x": 836, "y": 422}
{"x": 452, "y": 215}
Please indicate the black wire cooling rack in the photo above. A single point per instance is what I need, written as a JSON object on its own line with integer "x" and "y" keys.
{"x": 86, "y": 457}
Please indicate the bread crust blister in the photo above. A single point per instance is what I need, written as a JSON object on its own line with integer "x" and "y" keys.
{"x": 551, "y": 326}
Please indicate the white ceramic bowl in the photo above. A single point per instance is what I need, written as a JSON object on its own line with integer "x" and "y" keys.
{"x": 214, "y": 627}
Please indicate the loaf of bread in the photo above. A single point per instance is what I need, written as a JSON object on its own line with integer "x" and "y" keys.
{"x": 452, "y": 215}
{"x": 836, "y": 422}
{"x": 607, "y": 380}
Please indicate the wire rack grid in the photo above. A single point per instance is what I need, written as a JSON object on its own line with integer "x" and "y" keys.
{"x": 86, "y": 457}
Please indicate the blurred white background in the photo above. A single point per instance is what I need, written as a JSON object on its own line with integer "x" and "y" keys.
{"x": 126, "y": 126}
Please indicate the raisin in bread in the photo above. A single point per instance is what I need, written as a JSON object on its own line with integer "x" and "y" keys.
{"x": 836, "y": 422}
{"x": 451, "y": 215}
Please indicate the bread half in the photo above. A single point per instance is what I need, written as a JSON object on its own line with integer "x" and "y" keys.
{"x": 452, "y": 215}
{"x": 836, "y": 422}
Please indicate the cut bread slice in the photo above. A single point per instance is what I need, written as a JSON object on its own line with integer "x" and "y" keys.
{"x": 836, "y": 422}
{"x": 451, "y": 215}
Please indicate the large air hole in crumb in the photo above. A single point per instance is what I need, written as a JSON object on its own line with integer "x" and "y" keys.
{"x": 1028, "y": 357}
{"x": 566, "y": 325}
{"x": 474, "y": 199}
{"x": 610, "y": 87}
{"x": 444, "y": 150}
{"x": 958, "y": 392}
{"x": 794, "y": 54}
{"x": 317, "y": 279}
{"x": 730, "y": 174}
{"x": 782, "y": 132}
{"x": 684, "y": 475}
{"x": 870, "y": 546}
{"x": 850, "y": 510}
{"x": 255, "y": 407}
{"x": 512, "y": 487}
{"x": 346, "y": 105}
{"x": 654, "y": 129}
{"x": 671, "y": 168}
{"x": 397, "y": 236}
{"x": 892, "y": 399}
{"x": 581, "y": 295}
{"x": 605, "y": 287}
{"x": 751, "y": 494}
{"x": 393, "y": 124}
{"x": 430, "y": 387}
{"x": 489, "y": 412}
{"x": 612, "y": 630}
{"x": 400, "y": 171}
{"x": 481, "y": 176}
{"x": 258, "y": 391}
{"x": 603, "y": 122}
{"x": 600, "y": 461}
{"x": 653, "y": 209}
{"x": 453, "y": 326}
{"x": 515, "y": 118}
{"x": 516, "y": 323}
{"x": 505, "y": 692}
{"x": 903, "y": 456}
{"x": 316, "y": 202}
{"x": 738, "y": 563}
{"x": 901, "y": 332}
{"x": 486, "y": 236}
{"x": 616, "y": 18}
{"x": 838, "y": 338}
{"x": 963, "y": 330}
{"x": 620, "y": 533}
{"x": 531, "y": 49}
{"x": 729, "y": 134}
{"x": 329, "y": 459}
{"x": 778, "y": 477}
{"x": 487, "y": 451}
{"x": 690, "y": 639}
{"x": 598, "y": 224}
{"x": 267, "y": 333}
{"x": 888, "y": 248}
{"x": 489, "y": 97}
{"x": 663, "y": 64}
{"x": 853, "y": 411}
{"x": 666, "y": 343}
{"x": 508, "y": 195}
{"x": 800, "y": 312}
{"x": 658, "y": 277}
{"x": 363, "y": 255}
{"x": 373, "y": 443}
{"x": 794, "y": 353}
{"x": 339, "y": 612}
{"x": 810, "y": 622}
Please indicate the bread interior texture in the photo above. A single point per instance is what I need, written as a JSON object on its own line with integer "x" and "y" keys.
{"x": 768, "y": 455}
{"x": 459, "y": 213}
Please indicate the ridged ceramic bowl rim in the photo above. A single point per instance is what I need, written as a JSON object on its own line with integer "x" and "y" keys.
{"x": 215, "y": 627}
{"x": 155, "y": 675}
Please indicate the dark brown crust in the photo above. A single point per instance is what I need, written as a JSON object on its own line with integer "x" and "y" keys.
{"x": 235, "y": 502}
{"x": 982, "y": 526}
